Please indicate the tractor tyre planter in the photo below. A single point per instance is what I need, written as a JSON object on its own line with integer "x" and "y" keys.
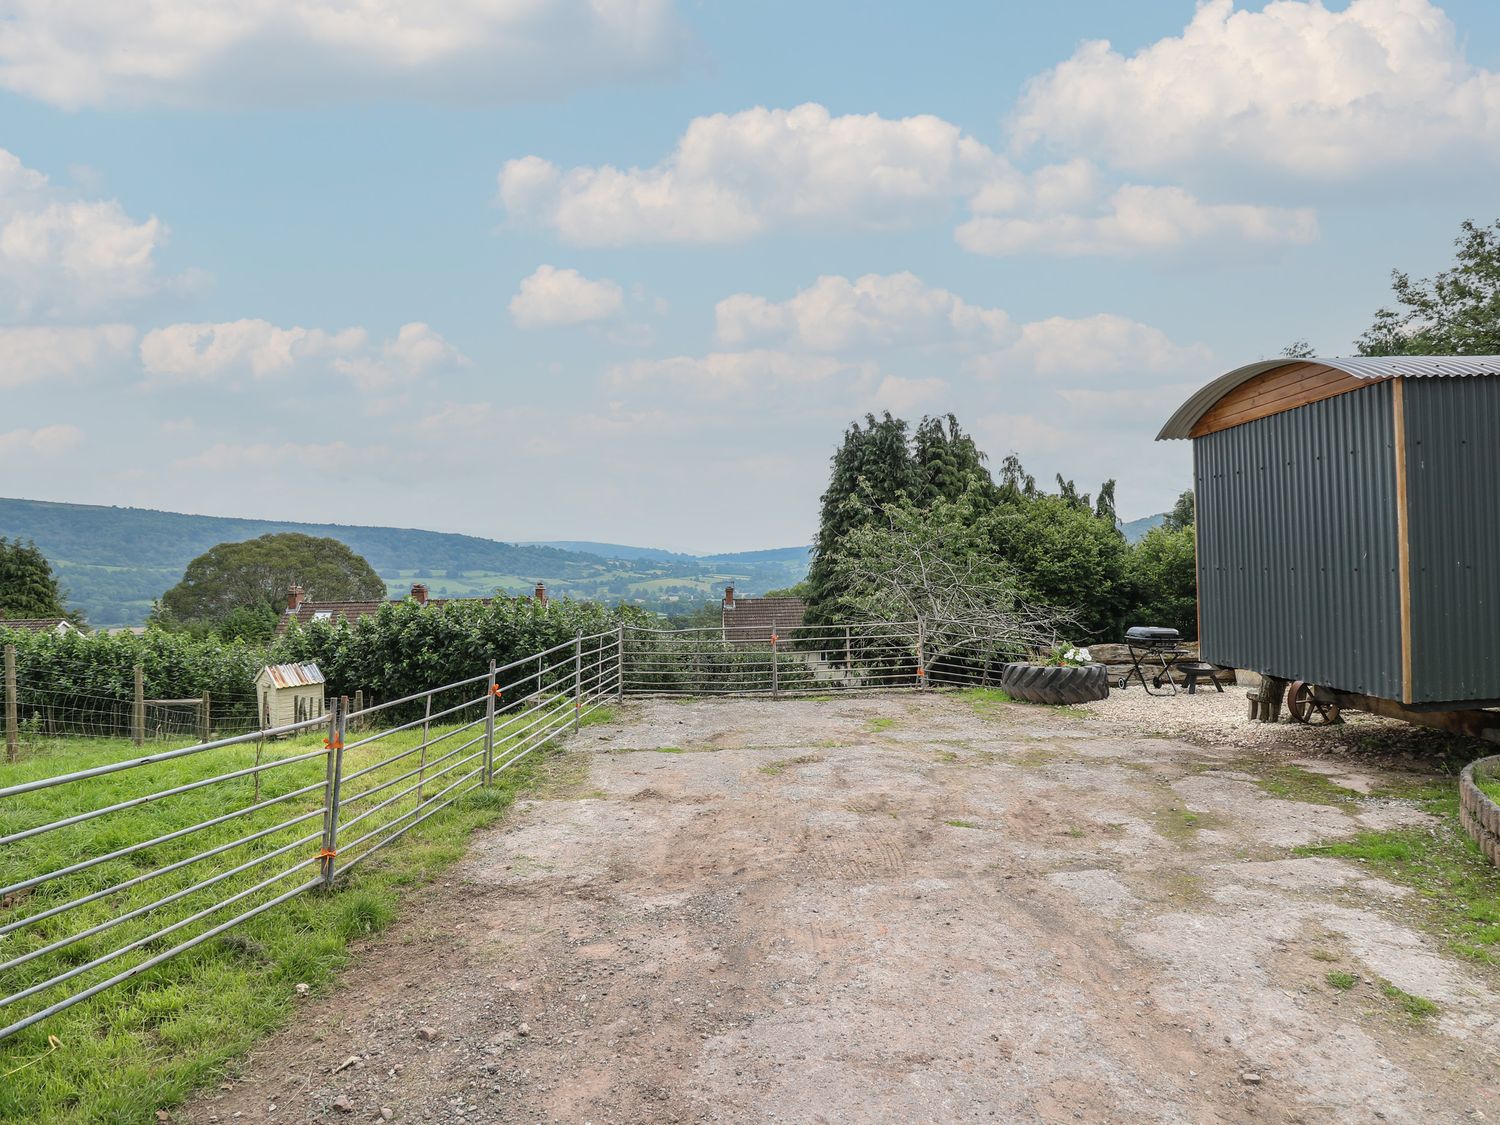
{"x": 1047, "y": 683}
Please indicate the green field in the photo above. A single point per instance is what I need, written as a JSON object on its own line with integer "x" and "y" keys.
{"x": 142, "y": 1045}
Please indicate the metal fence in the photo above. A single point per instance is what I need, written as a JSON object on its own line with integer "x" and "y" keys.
{"x": 116, "y": 867}
{"x": 120, "y": 865}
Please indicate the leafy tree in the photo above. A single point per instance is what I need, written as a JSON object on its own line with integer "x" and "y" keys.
{"x": 1455, "y": 313}
{"x": 1164, "y": 570}
{"x": 1016, "y": 483}
{"x": 1065, "y": 557}
{"x": 253, "y": 576}
{"x": 28, "y": 588}
{"x": 949, "y": 462}
{"x": 1298, "y": 349}
{"x": 1182, "y": 514}
{"x": 873, "y": 467}
{"x": 1104, "y": 507}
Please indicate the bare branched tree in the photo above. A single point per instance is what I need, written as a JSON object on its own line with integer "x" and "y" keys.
{"x": 935, "y": 567}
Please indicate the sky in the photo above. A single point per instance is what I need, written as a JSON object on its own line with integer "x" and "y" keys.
{"x": 625, "y": 270}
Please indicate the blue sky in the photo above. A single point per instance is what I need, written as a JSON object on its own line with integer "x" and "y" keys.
{"x": 625, "y": 269}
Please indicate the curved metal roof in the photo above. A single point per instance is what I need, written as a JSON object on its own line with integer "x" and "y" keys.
{"x": 1181, "y": 424}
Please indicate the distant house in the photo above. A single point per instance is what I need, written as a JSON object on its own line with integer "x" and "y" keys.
{"x": 289, "y": 693}
{"x": 58, "y": 625}
{"x": 305, "y": 612}
{"x": 754, "y": 620}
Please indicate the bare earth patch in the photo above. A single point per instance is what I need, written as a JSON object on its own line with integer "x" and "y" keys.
{"x": 800, "y": 913}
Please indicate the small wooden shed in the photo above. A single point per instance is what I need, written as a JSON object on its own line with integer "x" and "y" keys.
{"x": 289, "y": 693}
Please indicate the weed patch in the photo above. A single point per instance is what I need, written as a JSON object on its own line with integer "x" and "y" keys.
{"x": 880, "y": 723}
{"x": 1458, "y": 891}
{"x": 1417, "y": 1007}
{"x": 956, "y": 823}
{"x": 779, "y": 767}
{"x": 1341, "y": 980}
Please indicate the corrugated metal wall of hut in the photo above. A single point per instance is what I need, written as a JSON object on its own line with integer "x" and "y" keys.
{"x": 1297, "y": 558}
{"x": 1453, "y": 500}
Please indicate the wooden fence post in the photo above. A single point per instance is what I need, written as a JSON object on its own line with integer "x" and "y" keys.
{"x": 359, "y": 705}
{"x": 12, "y": 706}
{"x": 205, "y": 725}
{"x": 138, "y": 717}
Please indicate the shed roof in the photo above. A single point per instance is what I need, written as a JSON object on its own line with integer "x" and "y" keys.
{"x": 1181, "y": 424}
{"x": 292, "y": 675}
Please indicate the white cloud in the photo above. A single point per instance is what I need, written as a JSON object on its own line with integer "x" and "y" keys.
{"x": 874, "y": 311}
{"x": 240, "y": 347}
{"x": 61, "y": 256}
{"x": 43, "y": 353}
{"x": 553, "y": 297}
{"x": 193, "y": 52}
{"x": 1136, "y": 219}
{"x": 1295, "y": 87}
{"x": 47, "y": 441}
{"x": 417, "y": 350}
{"x": 881, "y": 312}
{"x": 258, "y": 349}
{"x": 735, "y": 374}
{"x": 1094, "y": 347}
{"x": 732, "y": 176}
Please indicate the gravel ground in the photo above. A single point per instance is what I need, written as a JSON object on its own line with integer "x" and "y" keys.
{"x": 905, "y": 908}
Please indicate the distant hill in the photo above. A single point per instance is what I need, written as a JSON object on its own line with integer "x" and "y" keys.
{"x": 1135, "y": 529}
{"x": 115, "y": 561}
{"x": 611, "y": 550}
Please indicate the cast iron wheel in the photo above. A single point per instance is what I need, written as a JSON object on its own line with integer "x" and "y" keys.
{"x": 1305, "y": 706}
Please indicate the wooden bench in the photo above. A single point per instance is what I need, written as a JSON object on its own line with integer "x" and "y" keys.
{"x": 1265, "y": 701}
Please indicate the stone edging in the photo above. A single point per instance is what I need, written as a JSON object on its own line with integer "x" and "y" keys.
{"x": 1477, "y": 811}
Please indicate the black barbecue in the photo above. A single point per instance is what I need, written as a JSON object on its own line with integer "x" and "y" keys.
{"x": 1162, "y": 649}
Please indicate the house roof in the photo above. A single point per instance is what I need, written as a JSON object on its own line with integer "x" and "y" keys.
{"x": 757, "y": 618}
{"x": 292, "y": 675}
{"x": 35, "y": 624}
{"x": 1181, "y": 424}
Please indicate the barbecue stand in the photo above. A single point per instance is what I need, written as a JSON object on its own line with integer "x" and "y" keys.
{"x": 1155, "y": 646}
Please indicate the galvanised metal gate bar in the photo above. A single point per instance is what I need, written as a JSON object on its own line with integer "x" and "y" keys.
{"x": 117, "y": 867}
{"x": 812, "y": 659}
{"x": 154, "y": 855}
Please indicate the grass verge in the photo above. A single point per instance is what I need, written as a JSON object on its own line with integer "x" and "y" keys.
{"x": 1458, "y": 891}
{"x": 146, "y": 1044}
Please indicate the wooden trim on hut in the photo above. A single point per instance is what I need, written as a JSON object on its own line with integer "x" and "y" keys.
{"x": 1403, "y": 535}
{"x": 1275, "y": 391}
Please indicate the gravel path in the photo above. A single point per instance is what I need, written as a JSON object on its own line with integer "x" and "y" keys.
{"x": 902, "y": 908}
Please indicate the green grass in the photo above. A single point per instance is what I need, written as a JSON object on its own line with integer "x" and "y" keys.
{"x": 1458, "y": 890}
{"x": 1293, "y": 783}
{"x": 1417, "y": 1007}
{"x": 1341, "y": 980}
{"x": 146, "y": 1044}
{"x": 955, "y": 823}
{"x": 881, "y": 723}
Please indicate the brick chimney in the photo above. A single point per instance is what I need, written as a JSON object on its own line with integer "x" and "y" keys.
{"x": 419, "y": 593}
{"x": 541, "y": 593}
{"x": 728, "y": 597}
{"x": 293, "y": 598}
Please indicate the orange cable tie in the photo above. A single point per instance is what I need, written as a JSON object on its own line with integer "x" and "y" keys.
{"x": 327, "y": 853}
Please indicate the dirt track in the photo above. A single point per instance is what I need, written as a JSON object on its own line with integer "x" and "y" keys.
{"x": 895, "y": 909}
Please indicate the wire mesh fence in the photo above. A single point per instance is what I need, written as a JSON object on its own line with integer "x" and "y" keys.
{"x": 122, "y": 862}
{"x": 119, "y": 864}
